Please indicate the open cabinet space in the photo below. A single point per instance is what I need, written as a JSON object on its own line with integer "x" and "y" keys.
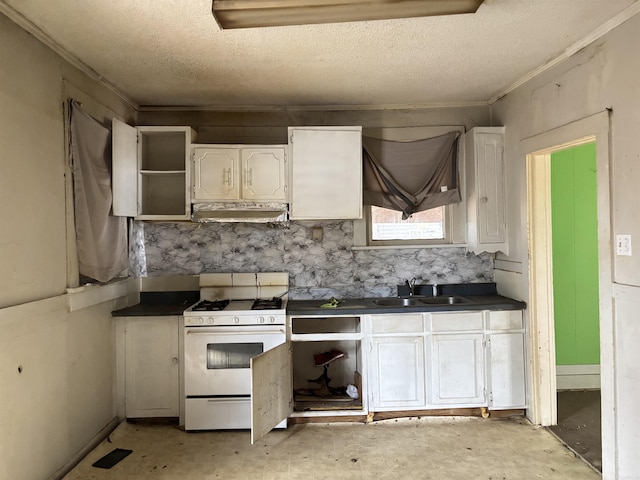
{"x": 327, "y": 365}
{"x": 315, "y": 390}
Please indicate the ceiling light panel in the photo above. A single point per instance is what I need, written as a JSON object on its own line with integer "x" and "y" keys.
{"x": 271, "y": 13}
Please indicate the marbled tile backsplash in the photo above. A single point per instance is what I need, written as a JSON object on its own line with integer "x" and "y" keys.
{"x": 317, "y": 268}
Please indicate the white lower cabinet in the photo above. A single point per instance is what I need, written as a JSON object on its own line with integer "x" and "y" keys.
{"x": 506, "y": 361}
{"x": 461, "y": 359}
{"x": 457, "y": 369}
{"x": 397, "y": 362}
{"x": 151, "y": 367}
{"x": 457, "y": 359}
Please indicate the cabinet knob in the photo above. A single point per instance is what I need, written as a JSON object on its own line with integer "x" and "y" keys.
{"x": 484, "y": 200}
{"x": 175, "y": 360}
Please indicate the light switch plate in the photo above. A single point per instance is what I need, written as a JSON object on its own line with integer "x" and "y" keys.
{"x": 623, "y": 245}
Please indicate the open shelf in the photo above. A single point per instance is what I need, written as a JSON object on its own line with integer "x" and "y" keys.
{"x": 309, "y": 395}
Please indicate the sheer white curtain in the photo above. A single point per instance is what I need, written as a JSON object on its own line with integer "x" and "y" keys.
{"x": 100, "y": 237}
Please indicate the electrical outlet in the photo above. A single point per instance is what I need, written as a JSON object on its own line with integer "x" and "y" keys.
{"x": 623, "y": 245}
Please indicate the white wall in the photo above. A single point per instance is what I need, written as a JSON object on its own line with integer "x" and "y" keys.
{"x": 603, "y": 75}
{"x": 64, "y": 395}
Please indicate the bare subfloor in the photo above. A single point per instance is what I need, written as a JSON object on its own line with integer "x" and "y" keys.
{"x": 579, "y": 424}
{"x": 438, "y": 448}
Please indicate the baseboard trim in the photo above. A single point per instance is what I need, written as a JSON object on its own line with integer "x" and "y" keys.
{"x": 577, "y": 377}
{"x": 93, "y": 443}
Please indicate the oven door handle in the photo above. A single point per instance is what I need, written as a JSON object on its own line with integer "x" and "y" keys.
{"x": 216, "y": 331}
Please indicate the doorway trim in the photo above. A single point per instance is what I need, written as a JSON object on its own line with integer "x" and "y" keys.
{"x": 537, "y": 151}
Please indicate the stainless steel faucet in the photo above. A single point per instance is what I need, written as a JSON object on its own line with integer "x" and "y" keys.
{"x": 411, "y": 284}
{"x": 435, "y": 290}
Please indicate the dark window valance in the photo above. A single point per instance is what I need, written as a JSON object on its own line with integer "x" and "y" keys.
{"x": 411, "y": 176}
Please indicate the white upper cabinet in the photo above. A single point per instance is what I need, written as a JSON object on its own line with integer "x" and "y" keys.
{"x": 326, "y": 173}
{"x": 216, "y": 173}
{"x": 150, "y": 171}
{"x": 236, "y": 172}
{"x": 486, "y": 216}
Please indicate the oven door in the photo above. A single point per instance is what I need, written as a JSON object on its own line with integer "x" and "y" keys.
{"x": 218, "y": 359}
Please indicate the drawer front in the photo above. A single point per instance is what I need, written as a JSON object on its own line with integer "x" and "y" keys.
{"x": 454, "y": 322}
{"x": 505, "y": 320}
{"x": 397, "y": 323}
{"x": 217, "y": 413}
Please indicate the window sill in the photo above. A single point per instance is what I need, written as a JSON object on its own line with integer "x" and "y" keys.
{"x": 90, "y": 295}
{"x": 398, "y": 247}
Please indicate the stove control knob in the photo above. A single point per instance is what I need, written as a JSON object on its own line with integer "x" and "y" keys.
{"x": 272, "y": 319}
{"x": 261, "y": 319}
{"x": 210, "y": 321}
{"x": 236, "y": 319}
{"x": 201, "y": 320}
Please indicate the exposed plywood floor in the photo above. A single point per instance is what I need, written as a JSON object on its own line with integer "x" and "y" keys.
{"x": 443, "y": 448}
{"x": 579, "y": 424}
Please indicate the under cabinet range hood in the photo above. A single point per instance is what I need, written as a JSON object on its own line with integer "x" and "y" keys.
{"x": 265, "y": 212}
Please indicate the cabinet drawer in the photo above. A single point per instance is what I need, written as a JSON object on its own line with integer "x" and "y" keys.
{"x": 505, "y": 320}
{"x": 406, "y": 323}
{"x": 453, "y": 322}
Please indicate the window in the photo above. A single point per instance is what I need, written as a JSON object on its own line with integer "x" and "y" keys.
{"x": 388, "y": 225}
{"x": 442, "y": 226}
{"x": 382, "y": 228}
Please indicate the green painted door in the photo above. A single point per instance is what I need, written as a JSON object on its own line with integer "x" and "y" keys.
{"x": 575, "y": 255}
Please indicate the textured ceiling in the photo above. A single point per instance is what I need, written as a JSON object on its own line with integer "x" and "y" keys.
{"x": 171, "y": 52}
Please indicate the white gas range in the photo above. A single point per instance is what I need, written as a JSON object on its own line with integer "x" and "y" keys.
{"x": 239, "y": 316}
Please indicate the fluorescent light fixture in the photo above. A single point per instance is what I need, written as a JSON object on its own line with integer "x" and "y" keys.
{"x": 272, "y": 13}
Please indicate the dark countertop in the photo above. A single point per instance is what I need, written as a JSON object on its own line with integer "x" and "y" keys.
{"x": 367, "y": 306}
{"x": 159, "y": 304}
{"x": 480, "y": 296}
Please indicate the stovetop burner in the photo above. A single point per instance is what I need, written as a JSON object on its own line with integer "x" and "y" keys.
{"x": 264, "y": 304}
{"x": 210, "y": 305}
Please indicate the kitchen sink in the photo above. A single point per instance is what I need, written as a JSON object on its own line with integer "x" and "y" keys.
{"x": 398, "y": 302}
{"x": 445, "y": 300}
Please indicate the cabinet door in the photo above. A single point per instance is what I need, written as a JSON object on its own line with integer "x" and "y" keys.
{"x": 398, "y": 372}
{"x": 486, "y": 210}
{"x": 124, "y": 147}
{"x": 490, "y": 188}
{"x": 271, "y": 390}
{"x": 458, "y": 369}
{"x": 326, "y": 178}
{"x": 152, "y": 386}
{"x": 216, "y": 174}
{"x": 263, "y": 173}
{"x": 506, "y": 370}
